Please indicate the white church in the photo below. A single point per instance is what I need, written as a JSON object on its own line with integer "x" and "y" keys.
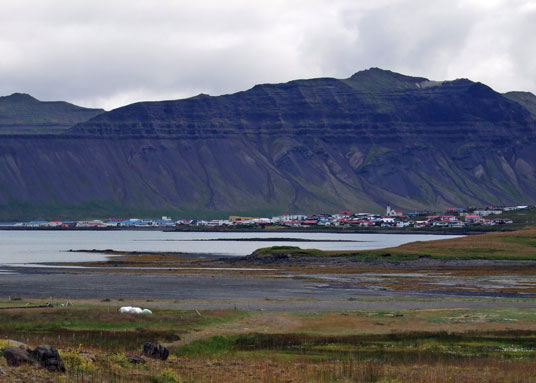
{"x": 394, "y": 212}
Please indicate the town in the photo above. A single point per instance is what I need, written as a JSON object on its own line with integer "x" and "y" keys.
{"x": 393, "y": 218}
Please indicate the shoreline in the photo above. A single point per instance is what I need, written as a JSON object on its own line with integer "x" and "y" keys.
{"x": 215, "y": 261}
{"x": 286, "y": 230}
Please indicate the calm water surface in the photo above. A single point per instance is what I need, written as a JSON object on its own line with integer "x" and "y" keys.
{"x": 53, "y": 246}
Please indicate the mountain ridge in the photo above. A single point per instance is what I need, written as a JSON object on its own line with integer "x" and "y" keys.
{"x": 310, "y": 146}
{"x": 21, "y": 113}
{"x": 141, "y": 119}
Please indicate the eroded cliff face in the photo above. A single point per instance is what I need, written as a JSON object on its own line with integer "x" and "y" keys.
{"x": 238, "y": 175}
{"x": 306, "y": 146}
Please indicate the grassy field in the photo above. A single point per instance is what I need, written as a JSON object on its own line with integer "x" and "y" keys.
{"x": 516, "y": 245}
{"x": 452, "y": 345}
{"x": 100, "y": 327}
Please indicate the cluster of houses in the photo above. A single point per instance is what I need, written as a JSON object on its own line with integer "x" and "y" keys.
{"x": 451, "y": 218}
{"x": 393, "y": 218}
{"x": 109, "y": 223}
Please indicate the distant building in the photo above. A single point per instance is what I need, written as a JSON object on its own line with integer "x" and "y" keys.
{"x": 485, "y": 213}
{"x": 394, "y": 212}
{"x": 473, "y": 218}
{"x": 239, "y": 219}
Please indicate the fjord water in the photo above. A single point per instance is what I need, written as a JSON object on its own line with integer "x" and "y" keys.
{"x": 17, "y": 247}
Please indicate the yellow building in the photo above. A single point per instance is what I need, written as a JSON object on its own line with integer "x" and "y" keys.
{"x": 236, "y": 218}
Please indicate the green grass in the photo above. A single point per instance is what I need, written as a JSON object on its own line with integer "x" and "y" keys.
{"x": 104, "y": 327}
{"x": 521, "y": 240}
{"x": 405, "y": 347}
{"x": 502, "y": 315}
{"x": 288, "y": 251}
{"x": 214, "y": 346}
{"x": 166, "y": 376}
{"x": 297, "y": 252}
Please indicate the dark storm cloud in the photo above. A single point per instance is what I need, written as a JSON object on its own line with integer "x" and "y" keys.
{"x": 109, "y": 53}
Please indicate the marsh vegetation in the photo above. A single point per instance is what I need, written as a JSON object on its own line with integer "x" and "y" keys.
{"x": 214, "y": 346}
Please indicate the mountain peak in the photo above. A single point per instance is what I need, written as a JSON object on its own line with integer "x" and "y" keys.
{"x": 201, "y": 95}
{"x": 375, "y": 73}
{"x": 381, "y": 79}
{"x": 20, "y": 113}
{"x": 19, "y": 97}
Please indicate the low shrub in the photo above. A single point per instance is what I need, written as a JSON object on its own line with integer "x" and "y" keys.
{"x": 166, "y": 376}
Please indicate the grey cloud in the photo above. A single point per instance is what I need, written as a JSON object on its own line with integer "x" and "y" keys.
{"x": 103, "y": 53}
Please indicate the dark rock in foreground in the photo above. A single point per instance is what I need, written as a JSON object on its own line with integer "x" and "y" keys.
{"x": 15, "y": 356}
{"x": 155, "y": 351}
{"x": 135, "y": 360}
{"x": 49, "y": 358}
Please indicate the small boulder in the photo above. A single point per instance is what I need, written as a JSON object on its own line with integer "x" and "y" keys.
{"x": 155, "y": 351}
{"x": 49, "y": 358}
{"x": 18, "y": 344}
{"x": 15, "y": 356}
{"x": 135, "y": 360}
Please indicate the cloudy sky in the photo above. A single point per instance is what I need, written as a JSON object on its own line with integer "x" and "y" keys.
{"x": 108, "y": 53}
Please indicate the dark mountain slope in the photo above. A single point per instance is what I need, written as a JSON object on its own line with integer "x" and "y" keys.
{"x": 304, "y": 146}
{"x": 23, "y": 114}
{"x": 374, "y": 106}
{"x": 527, "y": 99}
